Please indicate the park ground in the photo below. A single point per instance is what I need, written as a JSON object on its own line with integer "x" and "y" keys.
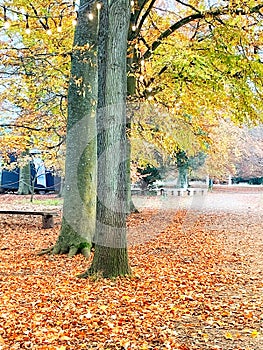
{"x": 197, "y": 279}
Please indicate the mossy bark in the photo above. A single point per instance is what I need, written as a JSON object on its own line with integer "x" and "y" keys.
{"x": 71, "y": 243}
{"x": 108, "y": 262}
{"x": 79, "y": 207}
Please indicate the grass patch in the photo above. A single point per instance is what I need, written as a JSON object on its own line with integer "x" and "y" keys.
{"x": 44, "y": 201}
{"x": 51, "y": 201}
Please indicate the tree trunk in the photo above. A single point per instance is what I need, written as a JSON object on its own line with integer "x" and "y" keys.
{"x": 110, "y": 256}
{"x": 182, "y": 166}
{"x": 130, "y": 204}
{"x": 79, "y": 209}
{"x": 182, "y": 181}
{"x": 25, "y": 186}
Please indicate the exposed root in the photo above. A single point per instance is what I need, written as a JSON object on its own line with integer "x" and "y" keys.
{"x": 45, "y": 251}
{"x": 70, "y": 251}
{"x": 85, "y": 252}
{"x": 91, "y": 274}
{"x": 83, "y": 275}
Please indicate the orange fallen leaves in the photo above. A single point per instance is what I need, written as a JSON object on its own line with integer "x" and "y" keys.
{"x": 191, "y": 290}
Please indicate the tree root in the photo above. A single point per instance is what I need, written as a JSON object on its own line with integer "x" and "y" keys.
{"x": 70, "y": 251}
{"x": 45, "y": 251}
{"x": 91, "y": 274}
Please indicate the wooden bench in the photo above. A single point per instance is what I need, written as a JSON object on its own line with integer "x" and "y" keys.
{"x": 47, "y": 216}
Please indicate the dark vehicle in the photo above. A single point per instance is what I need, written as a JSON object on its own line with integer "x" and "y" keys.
{"x": 9, "y": 179}
{"x": 248, "y": 180}
{"x": 9, "y": 182}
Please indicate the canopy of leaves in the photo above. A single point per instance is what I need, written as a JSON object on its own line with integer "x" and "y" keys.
{"x": 200, "y": 63}
{"x": 34, "y": 73}
{"x": 203, "y": 65}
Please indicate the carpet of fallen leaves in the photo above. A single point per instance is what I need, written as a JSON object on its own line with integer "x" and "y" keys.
{"x": 197, "y": 284}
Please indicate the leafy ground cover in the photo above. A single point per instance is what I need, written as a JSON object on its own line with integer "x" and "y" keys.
{"x": 197, "y": 281}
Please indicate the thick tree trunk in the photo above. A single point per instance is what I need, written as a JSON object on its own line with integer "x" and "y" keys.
{"x": 79, "y": 209}
{"x": 108, "y": 262}
{"x": 110, "y": 256}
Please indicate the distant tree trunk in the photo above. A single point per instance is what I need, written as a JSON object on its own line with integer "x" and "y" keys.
{"x": 130, "y": 204}
{"x": 229, "y": 180}
{"x": 110, "y": 256}
{"x": 182, "y": 166}
{"x": 25, "y": 186}
{"x": 132, "y": 64}
{"x": 79, "y": 209}
{"x": 182, "y": 181}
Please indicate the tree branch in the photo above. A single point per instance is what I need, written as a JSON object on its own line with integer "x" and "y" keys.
{"x": 199, "y": 15}
{"x": 139, "y": 27}
{"x": 171, "y": 30}
{"x": 188, "y": 5}
{"x": 40, "y": 21}
{"x": 19, "y": 126}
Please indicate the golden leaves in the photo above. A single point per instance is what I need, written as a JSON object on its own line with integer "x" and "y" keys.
{"x": 228, "y": 335}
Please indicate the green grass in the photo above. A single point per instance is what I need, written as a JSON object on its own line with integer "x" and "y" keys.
{"x": 51, "y": 201}
{"x": 48, "y": 201}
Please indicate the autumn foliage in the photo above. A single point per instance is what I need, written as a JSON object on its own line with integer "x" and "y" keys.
{"x": 196, "y": 284}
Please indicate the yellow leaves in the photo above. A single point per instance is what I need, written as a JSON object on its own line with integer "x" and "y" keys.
{"x": 103, "y": 307}
{"x": 128, "y": 299}
{"x": 78, "y": 81}
{"x": 234, "y": 336}
{"x": 174, "y": 309}
{"x": 254, "y": 334}
{"x": 226, "y": 313}
{"x": 228, "y": 335}
{"x": 65, "y": 337}
{"x": 125, "y": 343}
{"x": 205, "y": 337}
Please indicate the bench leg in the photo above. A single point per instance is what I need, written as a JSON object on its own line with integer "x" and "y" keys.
{"x": 47, "y": 221}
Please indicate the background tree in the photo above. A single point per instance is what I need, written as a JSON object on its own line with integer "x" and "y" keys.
{"x": 35, "y": 67}
{"x": 249, "y": 165}
{"x": 25, "y": 180}
{"x": 224, "y": 151}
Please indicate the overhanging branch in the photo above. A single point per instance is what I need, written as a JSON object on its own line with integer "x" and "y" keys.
{"x": 214, "y": 13}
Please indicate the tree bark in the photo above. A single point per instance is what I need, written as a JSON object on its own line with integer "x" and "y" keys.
{"x": 182, "y": 165}
{"x": 79, "y": 209}
{"x": 25, "y": 186}
{"x": 110, "y": 256}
